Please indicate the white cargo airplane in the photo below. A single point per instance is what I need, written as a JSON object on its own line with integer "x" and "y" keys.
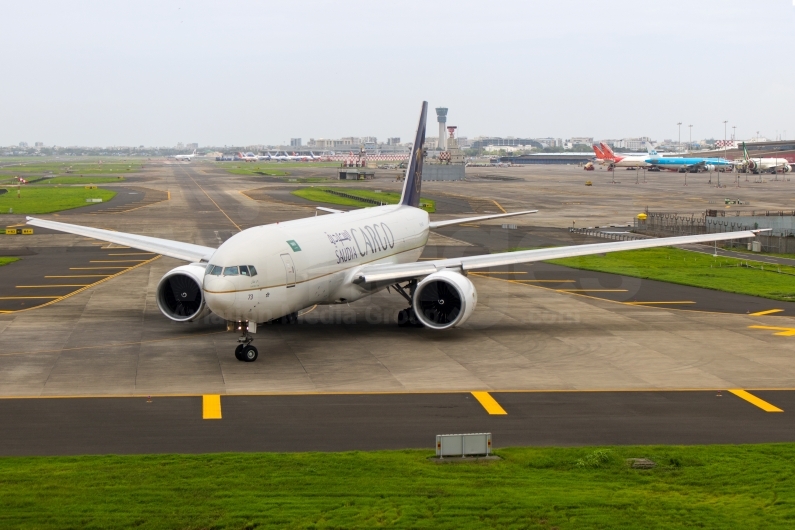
{"x": 270, "y": 272}
{"x": 766, "y": 164}
{"x": 185, "y": 157}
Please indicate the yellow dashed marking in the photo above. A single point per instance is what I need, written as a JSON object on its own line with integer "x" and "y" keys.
{"x": 211, "y": 407}
{"x": 768, "y": 312}
{"x": 781, "y": 332}
{"x": 489, "y": 403}
{"x": 750, "y": 398}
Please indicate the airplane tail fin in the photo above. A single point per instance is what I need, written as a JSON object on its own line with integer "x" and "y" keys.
{"x": 599, "y": 154}
{"x": 745, "y": 152}
{"x": 650, "y": 149}
{"x": 413, "y": 183}
{"x": 607, "y": 151}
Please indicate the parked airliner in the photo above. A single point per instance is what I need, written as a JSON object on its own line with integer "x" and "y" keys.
{"x": 764, "y": 164}
{"x": 270, "y": 272}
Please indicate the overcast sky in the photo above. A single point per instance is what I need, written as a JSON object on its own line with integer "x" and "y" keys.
{"x": 240, "y": 73}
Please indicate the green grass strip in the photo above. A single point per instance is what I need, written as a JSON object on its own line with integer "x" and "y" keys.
{"x": 6, "y": 261}
{"x": 748, "y": 486}
{"x": 322, "y": 195}
{"x": 695, "y": 269}
{"x": 38, "y": 200}
{"x": 78, "y": 180}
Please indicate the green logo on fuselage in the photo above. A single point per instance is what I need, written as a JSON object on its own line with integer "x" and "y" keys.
{"x": 294, "y": 246}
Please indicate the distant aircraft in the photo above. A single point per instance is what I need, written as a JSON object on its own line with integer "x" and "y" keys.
{"x": 630, "y": 161}
{"x": 248, "y": 157}
{"x": 761, "y": 165}
{"x": 677, "y": 163}
{"x": 187, "y": 158}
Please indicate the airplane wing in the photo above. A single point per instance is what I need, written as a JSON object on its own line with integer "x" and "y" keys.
{"x": 166, "y": 247}
{"x": 329, "y": 210}
{"x": 438, "y": 224}
{"x": 407, "y": 271}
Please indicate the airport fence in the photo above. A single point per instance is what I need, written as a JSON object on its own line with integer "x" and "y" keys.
{"x": 615, "y": 236}
{"x": 660, "y": 224}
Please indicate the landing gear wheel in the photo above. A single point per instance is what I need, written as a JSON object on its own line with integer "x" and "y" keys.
{"x": 249, "y": 353}
{"x": 408, "y": 319}
{"x": 239, "y": 352}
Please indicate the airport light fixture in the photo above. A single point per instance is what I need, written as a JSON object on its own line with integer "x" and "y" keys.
{"x": 679, "y": 140}
{"x": 724, "y": 137}
{"x": 690, "y": 142}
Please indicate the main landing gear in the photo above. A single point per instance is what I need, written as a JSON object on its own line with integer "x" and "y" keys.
{"x": 406, "y": 317}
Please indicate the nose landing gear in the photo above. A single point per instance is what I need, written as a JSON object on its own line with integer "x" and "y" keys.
{"x": 245, "y": 351}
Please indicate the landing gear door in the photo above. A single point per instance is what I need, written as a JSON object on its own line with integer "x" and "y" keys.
{"x": 289, "y": 268}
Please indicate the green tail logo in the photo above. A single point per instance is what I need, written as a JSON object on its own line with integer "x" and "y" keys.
{"x": 745, "y": 151}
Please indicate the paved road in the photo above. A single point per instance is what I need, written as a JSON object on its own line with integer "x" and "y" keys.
{"x": 72, "y": 426}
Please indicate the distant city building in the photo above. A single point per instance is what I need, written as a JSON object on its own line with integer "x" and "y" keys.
{"x": 634, "y": 144}
{"x": 192, "y": 146}
{"x": 581, "y": 140}
{"x": 392, "y": 141}
{"x": 295, "y": 142}
{"x": 369, "y": 140}
{"x": 180, "y": 146}
{"x": 550, "y": 142}
{"x": 23, "y": 144}
{"x": 480, "y": 142}
{"x": 39, "y": 144}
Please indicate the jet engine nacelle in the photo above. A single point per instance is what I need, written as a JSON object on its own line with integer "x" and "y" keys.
{"x": 444, "y": 299}
{"x": 753, "y": 166}
{"x": 709, "y": 167}
{"x": 180, "y": 295}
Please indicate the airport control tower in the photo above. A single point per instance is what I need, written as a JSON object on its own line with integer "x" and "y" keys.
{"x": 441, "y": 117}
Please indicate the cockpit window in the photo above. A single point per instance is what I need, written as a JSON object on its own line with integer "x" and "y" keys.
{"x": 252, "y": 271}
{"x": 244, "y": 270}
{"x": 213, "y": 270}
{"x": 231, "y": 271}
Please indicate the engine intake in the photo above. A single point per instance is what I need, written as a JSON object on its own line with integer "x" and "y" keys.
{"x": 444, "y": 300}
{"x": 179, "y": 294}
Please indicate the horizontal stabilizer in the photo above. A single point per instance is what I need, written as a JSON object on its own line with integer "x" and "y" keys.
{"x": 166, "y": 247}
{"x": 439, "y": 224}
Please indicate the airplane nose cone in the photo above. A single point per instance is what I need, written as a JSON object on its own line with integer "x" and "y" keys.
{"x": 219, "y": 293}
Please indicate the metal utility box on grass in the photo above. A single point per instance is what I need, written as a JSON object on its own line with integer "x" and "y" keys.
{"x": 475, "y": 444}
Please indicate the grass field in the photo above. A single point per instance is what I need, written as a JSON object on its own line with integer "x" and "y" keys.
{"x": 75, "y": 168}
{"x": 715, "y": 486}
{"x": 77, "y": 180}
{"x": 695, "y": 269}
{"x": 257, "y": 171}
{"x": 45, "y": 199}
{"x": 6, "y": 261}
{"x": 321, "y": 195}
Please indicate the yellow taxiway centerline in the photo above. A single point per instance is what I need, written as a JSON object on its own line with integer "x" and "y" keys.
{"x": 768, "y": 312}
{"x": 750, "y": 398}
{"x": 51, "y": 285}
{"x": 27, "y": 297}
{"x": 545, "y": 281}
{"x": 592, "y": 290}
{"x": 657, "y": 303}
{"x": 489, "y": 403}
{"x": 93, "y": 268}
{"x": 80, "y": 276}
{"x": 211, "y": 407}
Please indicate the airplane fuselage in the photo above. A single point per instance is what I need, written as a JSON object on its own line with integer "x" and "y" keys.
{"x": 309, "y": 261}
{"x": 677, "y": 163}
